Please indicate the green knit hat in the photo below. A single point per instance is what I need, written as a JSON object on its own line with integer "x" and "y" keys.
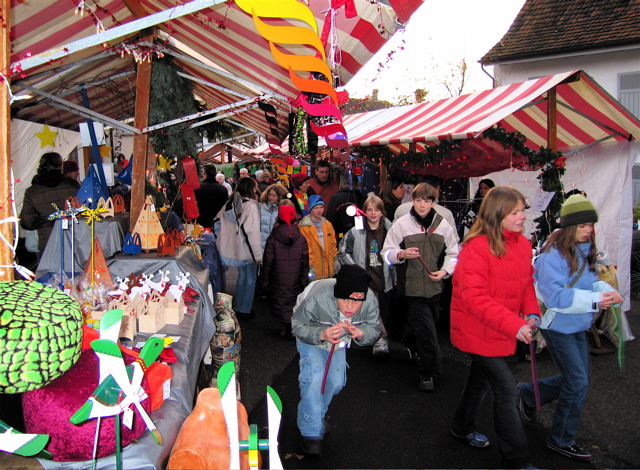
{"x": 576, "y": 210}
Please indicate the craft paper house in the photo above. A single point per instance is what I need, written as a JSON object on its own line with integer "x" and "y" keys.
{"x": 148, "y": 227}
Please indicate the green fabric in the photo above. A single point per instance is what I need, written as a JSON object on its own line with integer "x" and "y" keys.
{"x": 40, "y": 335}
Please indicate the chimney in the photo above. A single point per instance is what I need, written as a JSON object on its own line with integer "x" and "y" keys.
{"x": 374, "y": 95}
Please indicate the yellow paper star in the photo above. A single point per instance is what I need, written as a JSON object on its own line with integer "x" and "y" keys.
{"x": 105, "y": 151}
{"x": 164, "y": 163}
{"x": 47, "y": 137}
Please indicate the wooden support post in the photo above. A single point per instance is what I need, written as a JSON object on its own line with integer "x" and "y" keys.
{"x": 6, "y": 254}
{"x": 312, "y": 161}
{"x": 140, "y": 141}
{"x": 552, "y": 120}
{"x": 383, "y": 174}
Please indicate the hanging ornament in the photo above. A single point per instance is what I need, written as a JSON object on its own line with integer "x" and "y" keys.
{"x": 47, "y": 137}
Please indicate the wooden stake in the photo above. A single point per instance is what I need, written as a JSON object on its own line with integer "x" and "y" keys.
{"x": 6, "y": 256}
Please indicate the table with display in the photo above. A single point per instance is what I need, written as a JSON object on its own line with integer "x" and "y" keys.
{"x": 195, "y": 332}
{"x": 110, "y": 231}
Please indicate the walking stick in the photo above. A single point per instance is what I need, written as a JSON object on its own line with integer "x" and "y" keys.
{"x": 534, "y": 373}
{"x": 326, "y": 368}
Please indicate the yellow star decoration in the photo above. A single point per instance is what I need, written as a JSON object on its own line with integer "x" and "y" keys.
{"x": 105, "y": 151}
{"x": 47, "y": 137}
{"x": 164, "y": 163}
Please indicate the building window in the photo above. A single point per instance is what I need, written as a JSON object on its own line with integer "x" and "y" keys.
{"x": 629, "y": 91}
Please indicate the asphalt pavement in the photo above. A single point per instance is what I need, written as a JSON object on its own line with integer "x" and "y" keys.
{"x": 381, "y": 419}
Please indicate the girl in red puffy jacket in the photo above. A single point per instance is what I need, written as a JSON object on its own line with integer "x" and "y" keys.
{"x": 493, "y": 306}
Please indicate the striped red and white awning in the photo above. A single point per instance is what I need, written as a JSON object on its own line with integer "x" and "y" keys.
{"x": 586, "y": 115}
{"x": 223, "y": 35}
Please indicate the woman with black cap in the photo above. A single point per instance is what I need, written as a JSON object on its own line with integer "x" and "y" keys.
{"x": 567, "y": 282}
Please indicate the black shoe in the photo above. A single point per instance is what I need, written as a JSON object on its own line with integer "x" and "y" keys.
{"x": 426, "y": 384}
{"x": 310, "y": 446}
{"x": 527, "y": 412}
{"x": 245, "y": 316}
{"x": 573, "y": 452}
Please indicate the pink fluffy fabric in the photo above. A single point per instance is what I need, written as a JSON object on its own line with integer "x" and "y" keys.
{"x": 47, "y": 411}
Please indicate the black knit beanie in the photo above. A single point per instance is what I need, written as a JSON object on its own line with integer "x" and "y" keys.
{"x": 352, "y": 282}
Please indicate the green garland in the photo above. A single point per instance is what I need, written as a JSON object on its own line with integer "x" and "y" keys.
{"x": 551, "y": 165}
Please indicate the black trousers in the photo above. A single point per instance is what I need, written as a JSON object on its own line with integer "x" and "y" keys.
{"x": 421, "y": 322}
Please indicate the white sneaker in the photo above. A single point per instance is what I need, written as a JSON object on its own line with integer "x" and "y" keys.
{"x": 380, "y": 347}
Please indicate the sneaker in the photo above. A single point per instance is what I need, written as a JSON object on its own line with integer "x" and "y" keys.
{"x": 426, "y": 384}
{"x": 527, "y": 412}
{"x": 475, "y": 439}
{"x": 310, "y": 446}
{"x": 573, "y": 451}
{"x": 381, "y": 347}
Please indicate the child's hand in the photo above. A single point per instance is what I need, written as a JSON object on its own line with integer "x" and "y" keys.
{"x": 353, "y": 330}
{"x": 332, "y": 334}
{"x": 437, "y": 275}
{"x": 607, "y": 299}
{"x": 525, "y": 334}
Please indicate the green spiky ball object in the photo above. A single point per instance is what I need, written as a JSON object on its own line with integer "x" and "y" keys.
{"x": 40, "y": 335}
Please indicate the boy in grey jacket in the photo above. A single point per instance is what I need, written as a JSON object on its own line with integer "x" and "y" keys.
{"x": 327, "y": 315}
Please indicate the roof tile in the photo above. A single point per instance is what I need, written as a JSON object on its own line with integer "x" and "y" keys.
{"x": 544, "y": 27}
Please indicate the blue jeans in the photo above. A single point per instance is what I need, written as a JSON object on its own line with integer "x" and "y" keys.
{"x": 570, "y": 353}
{"x": 245, "y": 287}
{"x": 494, "y": 373}
{"x": 313, "y": 403}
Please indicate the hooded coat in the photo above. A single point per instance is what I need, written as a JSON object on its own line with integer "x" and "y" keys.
{"x": 49, "y": 188}
{"x": 285, "y": 269}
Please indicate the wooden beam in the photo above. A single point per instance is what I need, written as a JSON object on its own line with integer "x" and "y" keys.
{"x": 135, "y": 8}
{"x": 140, "y": 141}
{"x": 113, "y": 33}
{"x": 6, "y": 203}
{"x": 552, "y": 120}
{"x": 383, "y": 175}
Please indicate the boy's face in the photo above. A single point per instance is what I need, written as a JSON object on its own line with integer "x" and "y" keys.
{"x": 317, "y": 211}
{"x": 349, "y": 307}
{"x": 373, "y": 214}
{"x": 423, "y": 206}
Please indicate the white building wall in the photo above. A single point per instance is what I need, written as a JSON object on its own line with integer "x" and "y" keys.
{"x": 603, "y": 67}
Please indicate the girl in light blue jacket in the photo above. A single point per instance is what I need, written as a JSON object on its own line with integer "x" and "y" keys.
{"x": 567, "y": 282}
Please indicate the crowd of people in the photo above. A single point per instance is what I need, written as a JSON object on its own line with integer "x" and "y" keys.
{"x": 336, "y": 267}
{"x": 332, "y": 261}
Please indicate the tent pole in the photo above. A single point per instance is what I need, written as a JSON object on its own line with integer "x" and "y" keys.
{"x": 552, "y": 120}
{"x": 141, "y": 141}
{"x": 383, "y": 174}
{"x": 6, "y": 256}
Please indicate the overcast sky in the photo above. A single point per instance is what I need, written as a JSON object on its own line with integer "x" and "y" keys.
{"x": 440, "y": 33}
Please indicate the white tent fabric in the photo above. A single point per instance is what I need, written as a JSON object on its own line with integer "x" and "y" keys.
{"x": 26, "y": 151}
{"x": 604, "y": 173}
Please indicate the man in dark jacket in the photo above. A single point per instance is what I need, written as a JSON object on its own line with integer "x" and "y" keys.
{"x": 48, "y": 187}
{"x": 211, "y": 196}
{"x": 337, "y": 210}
